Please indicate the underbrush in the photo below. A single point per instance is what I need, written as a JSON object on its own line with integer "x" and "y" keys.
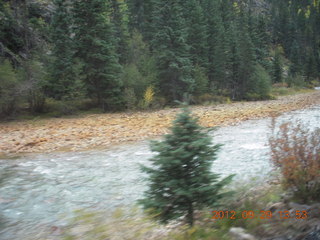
{"x": 133, "y": 224}
{"x": 286, "y": 91}
{"x": 295, "y": 150}
{"x": 56, "y": 109}
{"x": 209, "y": 99}
{"x": 265, "y": 202}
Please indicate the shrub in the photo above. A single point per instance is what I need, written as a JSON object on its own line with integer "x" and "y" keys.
{"x": 259, "y": 87}
{"x": 130, "y": 98}
{"x": 148, "y": 98}
{"x": 210, "y": 99}
{"x": 201, "y": 81}
{"x": 314, "y": 83}
{"x": 133, "y": 79}
{"x": 34, "y": 78}
{"x": 37, "y": 100}
{"x": 121, "y": 224}
{"x": 281, "y": 91}
{"x": 296, "y": 81}
{"x": 158, "y": 103}
{"x": 141, "y": 70}
{"x": 85, "y": 104}
{"x": 295, "y": 150}
{"x": 60, "y": 108}
{"x": 8, "y": 88}
{"x": 280, "y": 85}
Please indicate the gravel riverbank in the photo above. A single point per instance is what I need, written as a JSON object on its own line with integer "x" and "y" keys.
{"x": 104, "y": 130}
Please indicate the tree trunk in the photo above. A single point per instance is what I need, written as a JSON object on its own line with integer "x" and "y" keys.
{"x": 190, "y": 215}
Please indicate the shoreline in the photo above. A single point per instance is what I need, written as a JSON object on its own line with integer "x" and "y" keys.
{"x": 106, "y": 130}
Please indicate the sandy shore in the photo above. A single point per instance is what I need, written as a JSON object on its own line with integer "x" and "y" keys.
{"x": 103, "y": 130}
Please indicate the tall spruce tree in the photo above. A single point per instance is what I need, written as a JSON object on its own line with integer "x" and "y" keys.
{"x": 172, "y": 51}
{"x": 220, "y": 59}
{"x": 62, "y": 76}
{"x": 295, "y": 56}
{"x": 197, "y": 36}
{"x": 180, "y": 178}
{"x": 218, "y": 47}
{"x": 95, "y": 46}
{"x": 277, "y": 68}
{"x": 243, "y": 57}
{"x": 235, "y": 60}
{"x": 120, "y": 29}
{"x": 141, "y": 17}
{"x": 247, "y": 64}
{"x": 260, "y": 39}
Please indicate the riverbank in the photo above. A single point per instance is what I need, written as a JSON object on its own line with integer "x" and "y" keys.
{"x": 256, "y": 211}
{"x": 104, "y": 130}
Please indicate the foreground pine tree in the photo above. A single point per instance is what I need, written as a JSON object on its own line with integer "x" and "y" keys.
{"x": 180, "y": 179}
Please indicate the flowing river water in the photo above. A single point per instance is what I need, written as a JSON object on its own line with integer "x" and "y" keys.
{"x": 41, "y": 190}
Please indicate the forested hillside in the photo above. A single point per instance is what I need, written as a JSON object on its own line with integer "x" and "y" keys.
{"x": 69, "y": 55}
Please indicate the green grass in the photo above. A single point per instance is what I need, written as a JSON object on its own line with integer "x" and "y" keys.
{"x": 284, "y": 91}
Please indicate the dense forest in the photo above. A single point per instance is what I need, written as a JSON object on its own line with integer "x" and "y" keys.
{"x": 69, "y": 55}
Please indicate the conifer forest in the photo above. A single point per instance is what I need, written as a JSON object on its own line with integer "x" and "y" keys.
{"x": 115, "y": 55}
{"x": 159, "y": 119}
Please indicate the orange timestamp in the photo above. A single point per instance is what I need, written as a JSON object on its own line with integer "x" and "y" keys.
{"x": 233, "y": 215}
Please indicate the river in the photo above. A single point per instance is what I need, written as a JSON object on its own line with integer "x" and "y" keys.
{"x": 41, "y": 190}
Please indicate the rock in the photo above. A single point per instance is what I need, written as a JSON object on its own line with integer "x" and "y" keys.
{"x": 286, "y": 197}
{"x": 313, "y": 236}
{"x": 315, "y": 224}
{"x": 279, "y": 238}
{"x": 277, "y": 207}
{"x": 240, "y": 234}
{"x": 314, "y": 211}
{"x": 300, "y": 207}
{"x": 56, "y": 231}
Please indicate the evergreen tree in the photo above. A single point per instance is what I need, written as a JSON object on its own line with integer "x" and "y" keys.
{"x": 197, "y": 33}
{"x": 247, "y": 63}
{"x": 95, "y": 47}
{"x": 141, "y": 17}
{"x": 120, "y": 29}
{"x": 201, "y": 81}
{"x": 8, "y": 88}
{"x": 311, "y": 67}
{"x": 220, "y": 59}
{"x": 172, "y": 51}
{"x": 277, "y": 68}
{"x": 295, "y": 56}
{"x": 243, "y": 57}
{"x": 136, "y": 15}
{"x": 260, "y": 39}
{"x": 141, "y": 70}
{"x": 181, "y": 180}
{"x": 282, "y": 23}
{"x": 260, "y": 84}
{"x": 218, "y": 47}
{"x": 62, "y": 73}
{"x": 235, "y": 60}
